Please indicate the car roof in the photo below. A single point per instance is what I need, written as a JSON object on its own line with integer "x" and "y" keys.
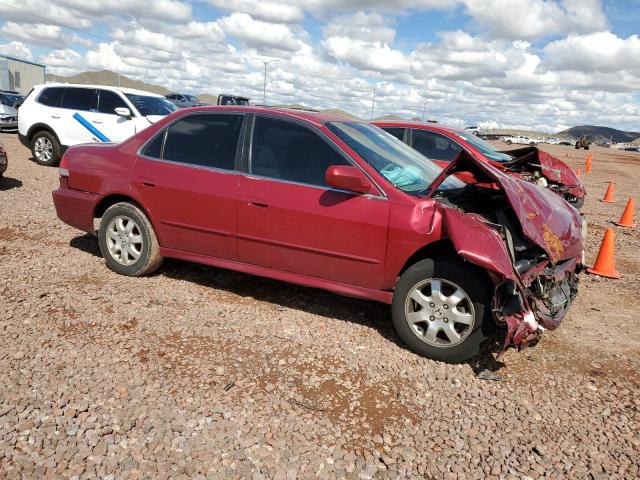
{"x": 315, "y": 118}
{"x": 436, "y": 127}
{"x": 125, "y": 90}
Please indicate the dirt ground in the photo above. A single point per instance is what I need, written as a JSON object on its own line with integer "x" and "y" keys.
{"x": 200, "y": 372}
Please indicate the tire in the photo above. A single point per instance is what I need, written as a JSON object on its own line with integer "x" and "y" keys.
{"x": 453, "y": 274}
{"x": 45, "y": 149}
{"x": 508, "y": 142}
{"x": 140, "y": 240}
{"x": 532, "y": 144}
{"x": 577, "y": 147}
{"x": 586, "y": 148}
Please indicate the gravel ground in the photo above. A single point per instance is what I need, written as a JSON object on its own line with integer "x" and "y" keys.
{"x": 199, "y": 372}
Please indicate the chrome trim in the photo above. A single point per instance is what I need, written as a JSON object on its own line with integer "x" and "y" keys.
{"x": 192, "y": 165}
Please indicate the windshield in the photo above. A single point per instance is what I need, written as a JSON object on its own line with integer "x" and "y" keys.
{"x": 151, "y": 105}
{"x": 401, "y": 165}
{"x": 485, "y": 148}
{"x": 9, "y": 98}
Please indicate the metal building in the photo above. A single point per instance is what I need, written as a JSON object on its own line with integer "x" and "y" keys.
{"x": 20, "y": 75}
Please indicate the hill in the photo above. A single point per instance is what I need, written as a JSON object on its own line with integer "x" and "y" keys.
{"x": 107, "y": 77}
{"x": 598, "y": 133}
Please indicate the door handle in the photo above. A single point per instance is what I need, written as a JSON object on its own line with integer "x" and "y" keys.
{"x": 97, "y": 121}
{"x": 145, "y": 182}
{"x": 257, "y": 202}
{"x": 55, "y": 116}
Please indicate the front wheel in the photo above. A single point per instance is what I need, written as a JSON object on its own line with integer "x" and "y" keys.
{"x": 508, "y": 142}
{"x": 128, "y": 242}
{"x": 441, "y": 309}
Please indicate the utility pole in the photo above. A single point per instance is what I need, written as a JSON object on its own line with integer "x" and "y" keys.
{"x": 424, "y": 107}
{"x": 373, "y": 102}
{"x": 264, "y": 85}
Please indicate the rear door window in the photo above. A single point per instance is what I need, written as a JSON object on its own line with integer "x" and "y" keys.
{"x": 435, "y": 145}
{"x": 108, "y": 101}
{"x": 84, "y": 99}
{"x": 288, "y": 151}
{"x": 208, "y": 140}
{"x": 52, "y": 97}
{"x": 396, "y": 132}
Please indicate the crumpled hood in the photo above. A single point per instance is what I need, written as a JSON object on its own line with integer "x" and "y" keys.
{"x": 7, "y": 110}
{"x": 551, "y": 167}
{"x": 546, "y": 219}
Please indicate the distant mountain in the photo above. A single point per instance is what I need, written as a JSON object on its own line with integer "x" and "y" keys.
{"x": 107, "y": 77}
{"x": 598, "y": 134}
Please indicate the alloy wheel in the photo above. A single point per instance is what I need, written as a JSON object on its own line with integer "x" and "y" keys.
{"x": 43, "y": 149}
{"x": 439, "y": 312}
{"x": 124, "y": 240}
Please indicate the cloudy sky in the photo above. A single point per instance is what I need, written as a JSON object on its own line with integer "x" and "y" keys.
{"x": 540, "y": 64}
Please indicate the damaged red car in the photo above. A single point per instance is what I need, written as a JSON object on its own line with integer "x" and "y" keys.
{"x": 335, "y": 204}
{"x": 442, "y": 144}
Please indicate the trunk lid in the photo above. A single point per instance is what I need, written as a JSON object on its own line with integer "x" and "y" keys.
{"x": 546, "y": 219}
{"x": 552, "y": 168}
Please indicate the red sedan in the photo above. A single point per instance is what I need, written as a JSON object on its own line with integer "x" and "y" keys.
{"x": 441, "y": 144}
{"x": 335, "y": 204}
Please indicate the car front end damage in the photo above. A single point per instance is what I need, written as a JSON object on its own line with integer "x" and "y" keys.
{"x": 545, "y": 170}
{"x": 526, "y": 238}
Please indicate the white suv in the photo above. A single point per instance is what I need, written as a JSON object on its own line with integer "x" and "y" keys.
{"x": 56, "y": 116}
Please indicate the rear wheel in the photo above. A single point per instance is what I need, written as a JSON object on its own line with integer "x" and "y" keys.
{"x": 45, "y": 149}
{"x": 128, "y": 242}
{"x": 508, "y": 142}
{"x": 441, "y": 309}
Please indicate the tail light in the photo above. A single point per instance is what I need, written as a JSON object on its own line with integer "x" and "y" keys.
{"x": 63, "y": 169}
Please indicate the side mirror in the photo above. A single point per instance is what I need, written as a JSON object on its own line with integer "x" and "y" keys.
{"x": 123, "y": 112}
{"x": 348, "y": 178}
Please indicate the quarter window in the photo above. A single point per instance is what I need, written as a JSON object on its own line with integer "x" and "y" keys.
{"x": 208, "y": 140}
{"x": 434, "y": 145}
{"x": 109, "y": 101}
{"x": 52, "y": 97}
{"x": 85, "y": 99}
{"x": 287, "y": 151}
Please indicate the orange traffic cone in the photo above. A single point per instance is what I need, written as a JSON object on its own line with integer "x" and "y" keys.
{"x": 608, "y": 196}
{"x": 605, "y": 265}
{"x": 578, "y": 172}
{"x": 587, "y": 166}
{"x": 626, "y": 220}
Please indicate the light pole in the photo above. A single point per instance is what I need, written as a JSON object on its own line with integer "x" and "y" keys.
{"x": 424, "y": 107}
{"x": 264, "y": 85}
{"x": 373, "y": 102}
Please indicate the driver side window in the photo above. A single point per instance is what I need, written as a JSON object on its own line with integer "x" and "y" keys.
{"x": 286, "y": 151}
{"x": 435, "y": 146}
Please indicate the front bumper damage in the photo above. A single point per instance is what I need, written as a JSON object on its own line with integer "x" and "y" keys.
{"x": 529, "y": 297}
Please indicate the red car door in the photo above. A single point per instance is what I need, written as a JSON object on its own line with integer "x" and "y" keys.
{"x": 187, "y": 180}
{"x": 289, "y": 219}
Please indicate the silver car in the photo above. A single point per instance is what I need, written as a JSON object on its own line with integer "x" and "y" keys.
{"x": 182, "y": 101}
{"x": 8, "y": 118}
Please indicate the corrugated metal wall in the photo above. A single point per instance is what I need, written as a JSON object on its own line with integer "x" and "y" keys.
{"x": 22, "y": 76}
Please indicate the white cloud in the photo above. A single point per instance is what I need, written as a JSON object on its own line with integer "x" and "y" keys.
{"x": 39, "y": 11}
{"x": 529, "y": 19}
{"x": 41, "y": 34}
{"x": 16, "y": 49}
{"x": 370, "y": 27}
{"x": 166, "y": 10}
{"x": 259, "y": 34}
{"x": 270, "y": 11}
{"x": 371, "y": 56}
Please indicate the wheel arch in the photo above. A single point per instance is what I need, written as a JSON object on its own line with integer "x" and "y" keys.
{"x": 39, "y": 127}
{"x": 443, "y": 248}
{"x": 113, "y": 198}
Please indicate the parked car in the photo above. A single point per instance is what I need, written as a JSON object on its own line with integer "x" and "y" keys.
{"x": 8, "y": 118}
{"x": 520, "y": 139}
{"x": 565, "y": 142}
{"x": 337, "y": 204}
{"x": 582, "y": 142}
{"x": 632, "y": 148}
{"x": 56, "y": 116}
{"x": 182, "y": 101}
{"x": 4, "y": 160}
{"x": 226, "y": 99}
{"x": 442, "y": 144}
{"x": 11, "y": 98}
